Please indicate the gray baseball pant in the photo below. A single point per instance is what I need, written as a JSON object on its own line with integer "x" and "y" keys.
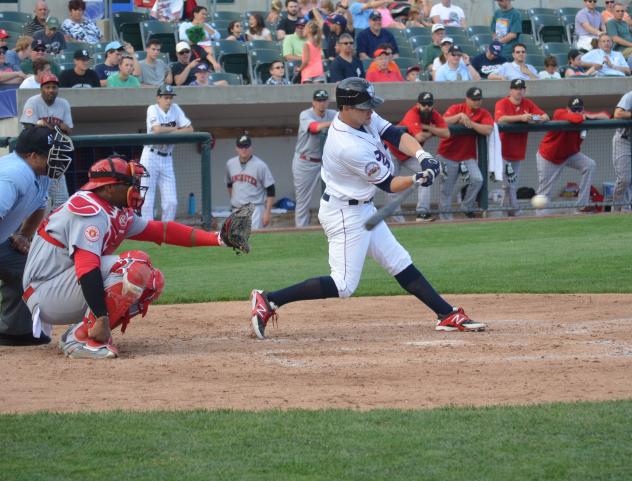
{"x": 622, "y": 162}
{"x": 510, "y": 199}
{"x": 306, "y": 178}
{"x": 447, "y": 186}
{"x": 423, "y": 193}
{"x": 548, "y": 173}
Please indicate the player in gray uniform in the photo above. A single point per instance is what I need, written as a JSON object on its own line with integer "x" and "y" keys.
{"x": 622, "y": 157}
{"x": 40, "y": 155}
{"x": 49, "y": 110}
{"x": 355, "y": 164}
{"x": 312, "y": 127}
{"x": 73, "y": 275}
{"x": 249, "y": 181}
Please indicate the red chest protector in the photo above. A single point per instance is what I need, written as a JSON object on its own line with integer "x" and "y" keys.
{"x": 86, "y": 203}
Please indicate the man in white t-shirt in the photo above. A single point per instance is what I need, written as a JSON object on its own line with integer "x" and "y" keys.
{"x": 448, "y": 14}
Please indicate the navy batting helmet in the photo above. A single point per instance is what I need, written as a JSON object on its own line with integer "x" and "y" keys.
{"x": 358, "y": 93}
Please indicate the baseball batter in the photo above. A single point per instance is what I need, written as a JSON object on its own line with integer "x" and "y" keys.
{"x": 622, "y": 157}
{"x": 163, "y": 117}
{"x": 355, "y": 163}
{"x": 72, "y": 274}
{"x": 249, "y": 181}
{"x": 422, "y": 121}
{"x": 312, "y": 126}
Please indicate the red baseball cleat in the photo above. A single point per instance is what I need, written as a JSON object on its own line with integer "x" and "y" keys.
{"x": 262, "y": 311}
{"x": 458, "y": 321}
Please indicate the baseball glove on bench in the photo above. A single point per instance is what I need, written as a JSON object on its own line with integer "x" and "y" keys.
{"x": 235, "y": 230}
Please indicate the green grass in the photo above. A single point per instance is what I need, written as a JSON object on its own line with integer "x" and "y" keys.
{"x": 582, "y": 441}
{"x": 579, "y": 254}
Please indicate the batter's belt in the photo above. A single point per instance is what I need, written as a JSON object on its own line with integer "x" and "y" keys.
{"x": 329, "y": 198}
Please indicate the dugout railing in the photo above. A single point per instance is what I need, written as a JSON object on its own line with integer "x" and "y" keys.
{"x": 601, "y": 153}
{"x": 90, "y": 148}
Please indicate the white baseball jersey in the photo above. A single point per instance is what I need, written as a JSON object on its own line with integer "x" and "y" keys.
{"x": 249, "y": 181}
{"x": 174, "y": 117}
{"x": 354, "y": 161}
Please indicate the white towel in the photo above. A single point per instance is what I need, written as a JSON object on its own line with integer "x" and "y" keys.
{"x": 495, "y": 154}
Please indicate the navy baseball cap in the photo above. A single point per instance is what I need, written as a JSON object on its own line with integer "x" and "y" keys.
{"x": 455, "y": 49}
{"x": 495, "y": 48}
{"x": 375, "y": 15}
{"x": 81, "y": 55}
{"x": 202, "y": 67}
{"x": 576, "y": 104}
{"x": 321, "y": 94}
{"x": 166, "y": 90}
{"x": 474, "y": 93}
{"x": 38, "y": 46}
{"x": 518, "y": 83}
{"x": 337, "y": 19}
{"x": 425, "y": 98}
{"x": 244, "y": 141}
{"x": 301, "y": 22}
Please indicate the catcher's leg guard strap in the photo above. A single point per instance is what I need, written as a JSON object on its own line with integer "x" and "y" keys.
{"x": 132, "y": 285}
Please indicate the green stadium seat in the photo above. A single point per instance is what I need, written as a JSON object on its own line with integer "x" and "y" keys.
{"x": 231, "y": 78}
{"x": 233, "y": 57}
{"x": 227, "y": 15}
{"x": 417, "y": 31}
{"x": 260, "y": 61}
{"x": 165, "y": 32}
{"x": 18, "y": 17}
{"x": 548, "y": 28}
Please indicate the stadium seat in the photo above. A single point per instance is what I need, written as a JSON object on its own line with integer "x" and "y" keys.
{"x": 535, "y": 59}
{"x": 121, "y": 18}
{"x": 11, "y": 26}
{"x": 231, "y": 78}
{"x": 567, "y": 11}
{"x": 233, "y": 57}
{"x": 18, "y": 17}
{"x": 366, "y": 63}
{"x": 419, "y": 53}
{"x": 476, "y": 29}
{"x": 419, "y": 41}
{"x": 551, "y": 48}
{"x": 461, "y": 38}
{"x": 542, "y": 11}
{"x": 163, "y": 31}
{"x": 481, "y": 39}
{"x": 290, "y": 66}
{"x": 452, "y": 31}
{"x": 405, "y": 62}
{"x": 562, "y": 60}
{"x": 260, "y": 61}
{"x": 263, "y": 44}
{"x": 227, "y": 15}
{"x": 526, "y": 21}
{"x": 470, "y": 50}
{"x": 417, "y": 31}
{"x": 548, "y": 28}
{"x": 569, "y": 24}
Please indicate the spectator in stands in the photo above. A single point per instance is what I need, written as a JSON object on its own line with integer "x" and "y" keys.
{"x": 293, "y": 44}
{"x": 167, "y": 10}
{"x": 489, "y": 61}
{"x": 311, "y": 67}
{"x": 183, "y": 70}
{"x": 515, "y": 108}
{"x": 274, "y": 15}
{"x": 200, "y": 14}
{"x": 370, "y": 38}
{"x": 153, "y": 70}
{"x": 41, "y": 67}
{"x": 458, "y": 152}
{"x": 52, "y": 37}
{"x": 8, "y": 75}
{"x": 448, "y": 14}
{"x": 506, "y": 26}
{"x": 519, "y": 68}
{"x": 457, "y": 67}
{"x": 38, "y": 50}
{"x": 388, "y": 21}
{"x": 201, "y": 73}
{"x": 81, "y": 76}
{"x": 575, "y": 67}
{"x": 416, "y": 18}
{"x": 40, "y": 14}
{"x": 21, "y": 52}
{"x": 439, "y": 61}
{"x": 550, "y": 71}
{"x": 77, "y": 28}
{"x": 606, "y": 61}
{"x": 361, "y": 11}
{"x": 277, "y": 74}
{"x": 257, "y": 29}
{"x": 619, "y": 31}
{"x": 384, "y": 71}
{"x": 113, "y": 53}
{"x": 200, "y": 47}
{"x": 334, "y": 26}
{"x": 345, "y": 64}
{"x": 235, "y": 32}
{"x": 608, "y": 13}
{"x": 306, "y": 6}
{"x": 412, "y": 73}
{"x": 123, "y": 78}
{"x": 588, "y": 26}
{"x": 559, "y": 149}
{"x": 433, "y": 50}
{"x": 342, "y": 8}
{"x": 399, "y": 12}
{"x": 287, "y": 23}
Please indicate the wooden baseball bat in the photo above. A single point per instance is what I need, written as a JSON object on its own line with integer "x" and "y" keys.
{"x": 388, "y": 209}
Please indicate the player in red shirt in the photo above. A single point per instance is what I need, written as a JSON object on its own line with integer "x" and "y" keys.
{"x": 513, "y": 109}
{"x": 458, "y": 153}
{"x": 422, "y": 121}
{"x": 560, "y": 149}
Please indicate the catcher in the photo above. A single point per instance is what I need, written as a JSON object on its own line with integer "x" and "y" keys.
{"x": 72, "y": 275}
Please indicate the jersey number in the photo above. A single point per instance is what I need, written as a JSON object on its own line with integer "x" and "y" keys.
{"x": 380, "y": 157}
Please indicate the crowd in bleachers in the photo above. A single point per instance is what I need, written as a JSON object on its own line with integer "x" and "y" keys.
{"x": 309, "y": 41}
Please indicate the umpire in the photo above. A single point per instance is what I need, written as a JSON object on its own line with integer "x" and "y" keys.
{"x": 622, "y": 157}
{"x": 24, "y": 180}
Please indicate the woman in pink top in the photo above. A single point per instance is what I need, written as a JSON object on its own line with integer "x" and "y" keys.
{"x": 311, "y": 68}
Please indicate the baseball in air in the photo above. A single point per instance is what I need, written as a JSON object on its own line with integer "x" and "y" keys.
{"x": 539, "y": 201}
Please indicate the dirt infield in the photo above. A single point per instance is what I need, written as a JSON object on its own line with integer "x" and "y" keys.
{"x": 360, "y": 353}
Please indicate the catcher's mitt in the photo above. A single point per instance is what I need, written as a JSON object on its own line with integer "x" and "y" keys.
{"x": 235, "y": 230}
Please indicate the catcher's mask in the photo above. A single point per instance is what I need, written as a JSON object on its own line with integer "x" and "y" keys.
{"x": 53, "y": 143}
{"x": 115, "y": 170}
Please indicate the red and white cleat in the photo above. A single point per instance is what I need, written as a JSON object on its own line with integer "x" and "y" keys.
{"x": 458, "y": 321}
{"x": 262, "y": 311}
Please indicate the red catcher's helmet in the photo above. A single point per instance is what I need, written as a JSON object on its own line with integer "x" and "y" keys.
{"x": 115, "y": 170}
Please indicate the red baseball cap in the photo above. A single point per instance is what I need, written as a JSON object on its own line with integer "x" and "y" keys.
{"x": 4, "y": 33}
{"x": 49, "y": 77}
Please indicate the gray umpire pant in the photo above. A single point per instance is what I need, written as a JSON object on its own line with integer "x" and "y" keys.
{"x": 58, "y": 192}
{"x": 306, "y": 175}
{"x": 423, "y": 193}
{"x": 448, "y": 183}
{"x": 548, "y": 173}
{"x": 15, "y": 318}
{"x": 622, "y": 162}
